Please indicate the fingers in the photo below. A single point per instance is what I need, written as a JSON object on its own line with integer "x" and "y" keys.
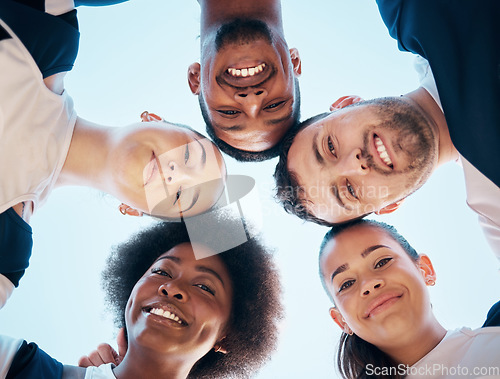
{"x": 344, "y": 101}
{"x": 104, "y": 354}
{"x": 121, "y": 341}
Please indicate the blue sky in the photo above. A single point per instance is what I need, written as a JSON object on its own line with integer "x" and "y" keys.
{"x": 134, "y": 57}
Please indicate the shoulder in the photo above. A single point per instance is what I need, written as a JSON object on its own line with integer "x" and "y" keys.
{"x": 8, "y": 349}
{"x": 32, "y": 362}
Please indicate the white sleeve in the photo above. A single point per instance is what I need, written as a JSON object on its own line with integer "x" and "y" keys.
{"x": 58, "y": 7}
{"x": 8, "y": 349}
{"x": 483, "y": 197}
{"x": 491, "y": 231}
{"x": 426, "y": 78}
{"x": 6, "y": 288}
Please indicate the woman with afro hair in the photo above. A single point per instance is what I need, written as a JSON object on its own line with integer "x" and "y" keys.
{"x": 182, "y": 317}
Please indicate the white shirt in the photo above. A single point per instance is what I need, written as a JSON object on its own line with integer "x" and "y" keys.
{"x": 6, "y": 289}
{"x": 102, "y": 372}
{"x": 463, "y": 353}
{"x": 8, "y": 349}
{"x": 36, "y": 127}
{"x": 483, "y": 196}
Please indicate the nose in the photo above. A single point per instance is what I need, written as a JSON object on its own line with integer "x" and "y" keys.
{"x": 176, "y": 174}
{"x": 251, "y": 99}
{"x": 354, "y": 163}
{"x": 172, "y": 290}
{"x": 371, "y": 285}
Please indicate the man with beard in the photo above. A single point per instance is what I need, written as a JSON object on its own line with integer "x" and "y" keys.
{"x": 370, "y": 155}
{"x": 247, "y": 81}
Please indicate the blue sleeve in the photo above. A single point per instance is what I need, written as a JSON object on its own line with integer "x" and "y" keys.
{"x": 97, "y": 3}
{"x": 16, "y": 242}
{"x": 32, "y": 362}
{"x": 52, "y": 41}
{"x": 493, "y": 318}
{"x": 461, "y": 41}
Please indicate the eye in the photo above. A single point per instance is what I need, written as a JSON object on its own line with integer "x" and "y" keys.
{"x": 351, "y": 190}
{"x": 331, "y": 147}
{"x": 186, "y": 154}
{"x": 178, "y": 195}
{"x": 346, "y": 285}
{"x": 382, "y": 262}
{"x": 205, "y": 288}
{"x": 160, "y": 271}
{"x": 274, "y": 105}
{"x": 229, "y": 113}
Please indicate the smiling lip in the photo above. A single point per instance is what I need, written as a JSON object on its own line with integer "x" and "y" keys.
{"x": 238, "y": 75}
{"x": 167, "y": 313}
{"x": 381, "y": 303}
{"x": 244, "y": 71}
{"x": 152, "y": 168}
{"x": 382, "y": 153}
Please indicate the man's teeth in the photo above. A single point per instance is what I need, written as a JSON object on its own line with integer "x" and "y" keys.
{"x": 166, "y": 314}
{"x": 382, "y": 152}
{"x": 245, "y": 72}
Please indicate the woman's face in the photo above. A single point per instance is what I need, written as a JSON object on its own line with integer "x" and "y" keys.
{"x": 166, "y": 170}
{"x": 378, "y": 289}
{"x": 180, "y": 305}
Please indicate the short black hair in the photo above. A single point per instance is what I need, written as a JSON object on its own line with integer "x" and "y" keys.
{"x": 256, "y": 305}
{"x": 244, "y": 155}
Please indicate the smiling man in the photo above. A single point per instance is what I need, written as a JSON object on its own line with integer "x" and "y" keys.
{"x": 247, "y": 81}
{"x": 369, "y": 156}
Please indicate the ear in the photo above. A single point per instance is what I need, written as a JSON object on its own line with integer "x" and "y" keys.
{"x": 127, "y": 210}
{"x": 389, "y": 208}
{"x": 337, "y": 317}
{"x": 194, "y": 78}
{"x": 147, "y": 117}
{"x": 425, "y": 265}
{"x": 296, "y": 62}
{"x": 344, "y": 101}
{"x": 339, "y": 320}
{"x": 218, "y": 347}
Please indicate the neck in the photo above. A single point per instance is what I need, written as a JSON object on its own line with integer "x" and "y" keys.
{"x": 447, "y": 152}
{"x": 148, "y": 364}
{"x": 410, "y": 350}
{"x": 85, "y": 163}
{"x": 215, "y": 13}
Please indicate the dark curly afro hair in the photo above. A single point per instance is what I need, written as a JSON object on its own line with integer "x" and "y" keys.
{"x": 256, "y": 305}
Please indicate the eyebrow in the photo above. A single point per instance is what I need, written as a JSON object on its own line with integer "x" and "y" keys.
{"x": 364, "y": 254}
{"x": 203, "y": 154}
{"x": 240, "y": 127}
{"x": 339, "y": 270}
{"x": 280, "y": 120}
{"x": 198, "y": 190}
{"x": 319, "y": 158}
{"x": 195, "y": 199}
{"x": 228, "y": 128}
{"x": 317, "y": 155}
{"x": 368, "y": 250}
{"x": 199, "y": 268}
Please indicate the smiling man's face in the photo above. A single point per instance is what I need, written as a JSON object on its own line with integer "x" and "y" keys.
{"x": 357, "y": 160}
{"x": 247, "y": 85}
